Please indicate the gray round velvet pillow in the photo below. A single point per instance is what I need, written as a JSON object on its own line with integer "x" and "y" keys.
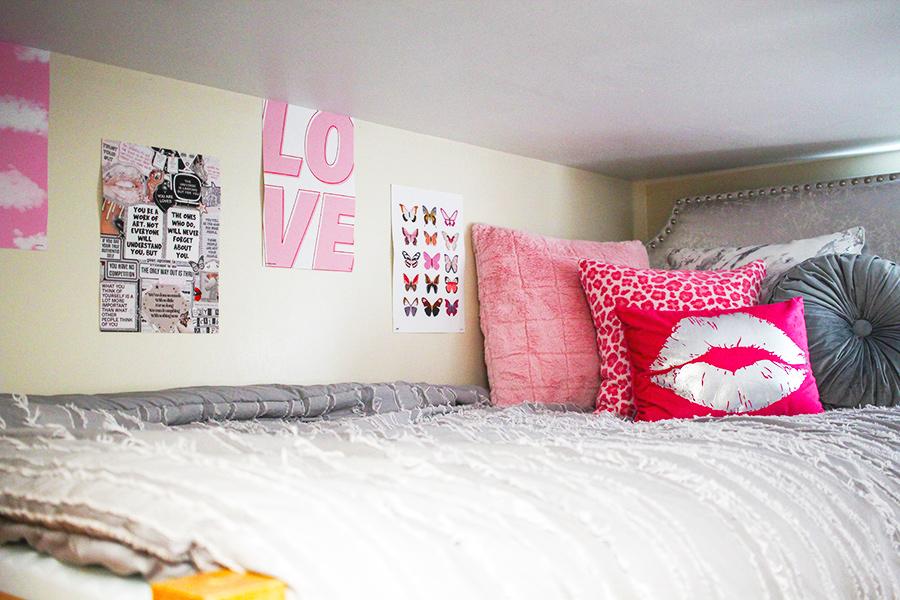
{"x": 852, "y": 305}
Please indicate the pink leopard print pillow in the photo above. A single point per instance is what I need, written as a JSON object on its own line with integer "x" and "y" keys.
{"x": 608, "y": 286}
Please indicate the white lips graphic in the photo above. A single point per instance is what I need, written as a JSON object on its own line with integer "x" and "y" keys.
{"x": 748, "y": 388}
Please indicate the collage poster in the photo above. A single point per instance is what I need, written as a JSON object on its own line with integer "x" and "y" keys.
{"x": 309, "y": 202}
{"x": 24, "y": 114}
{"x": 429, "y": 261}
{"x": 159, "y": 240}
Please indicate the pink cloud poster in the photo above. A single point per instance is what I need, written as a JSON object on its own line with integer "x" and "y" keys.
{"x": 24, "y": 110}
{"x": 309, "y": 203}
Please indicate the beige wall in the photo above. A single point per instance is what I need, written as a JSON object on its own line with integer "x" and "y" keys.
{"x": 653, "y": 199}
{"x": 277, "y": 325}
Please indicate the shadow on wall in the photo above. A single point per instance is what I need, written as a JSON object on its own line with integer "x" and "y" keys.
{"x": 607, "y": 217}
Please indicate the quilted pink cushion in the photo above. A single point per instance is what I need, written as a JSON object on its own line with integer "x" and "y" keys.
{"x": 609, "y": 286}
{"x": 539, "y": 340}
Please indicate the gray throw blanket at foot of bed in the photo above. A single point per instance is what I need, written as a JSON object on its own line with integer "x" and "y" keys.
{"x": 410, "y": 491}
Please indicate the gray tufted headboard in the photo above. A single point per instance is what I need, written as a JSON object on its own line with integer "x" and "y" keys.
{"x": 784, "y": 213}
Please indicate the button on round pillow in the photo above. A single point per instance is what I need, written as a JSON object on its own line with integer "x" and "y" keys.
{"x": 853, "y": 326}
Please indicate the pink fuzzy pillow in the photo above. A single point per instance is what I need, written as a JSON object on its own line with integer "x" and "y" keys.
{"x": 608, "y": 286}
{"x": 750, "y": 361}
{"x": 539, "y": 340}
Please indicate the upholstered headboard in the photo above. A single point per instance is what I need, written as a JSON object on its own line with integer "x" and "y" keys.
{"x": 784, "y": 213}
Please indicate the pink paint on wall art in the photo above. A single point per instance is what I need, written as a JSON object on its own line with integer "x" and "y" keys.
{"x": 309, "y": 204}
{"x": 24, "y": 111}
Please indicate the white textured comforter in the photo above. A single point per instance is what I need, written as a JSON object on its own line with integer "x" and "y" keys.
{"x": 472, "y": 502}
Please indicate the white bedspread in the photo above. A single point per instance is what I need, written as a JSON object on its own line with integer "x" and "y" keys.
{"x": 477, "y": 503}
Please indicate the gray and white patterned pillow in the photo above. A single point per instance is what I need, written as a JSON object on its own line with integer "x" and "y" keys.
{"x": 779, "y": 257}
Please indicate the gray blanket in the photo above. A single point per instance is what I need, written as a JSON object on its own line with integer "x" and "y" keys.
{"x": 414, "y": 491}
{"x": 181, "y": 406}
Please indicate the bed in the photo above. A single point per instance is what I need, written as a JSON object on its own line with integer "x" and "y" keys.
{"x": 415, "y": 490}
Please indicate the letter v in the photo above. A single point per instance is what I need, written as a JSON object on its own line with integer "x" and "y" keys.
{"x": 282, "y": 245}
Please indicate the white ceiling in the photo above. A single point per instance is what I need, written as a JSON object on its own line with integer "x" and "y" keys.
{"x": 631, "y": 89}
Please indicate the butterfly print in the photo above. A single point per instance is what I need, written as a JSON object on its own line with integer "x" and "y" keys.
{"x": 409, "y": 214}
{"x": 410, "y": 284}
{"x": 429, "y": 217}
{"x": 433, "y": 262}
{"x": 449, "y": 220}
{"x": 197, "y": 266}
{"x": 451, "y": 265}
{"x": 410, "y": 308}
{"x": 432, "y": 310}
{"x": 452, "y": 307}
{"x": 452, "y": 285}
{"x": 430, "y": 239}
{"x": 450, "y": 241}
{"x": 409, "y": 238}
{"x": 411, "y": 261}
{"x": 431, "y": 285}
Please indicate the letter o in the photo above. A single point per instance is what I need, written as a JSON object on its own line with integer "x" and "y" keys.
{"x": 317, "y": 132}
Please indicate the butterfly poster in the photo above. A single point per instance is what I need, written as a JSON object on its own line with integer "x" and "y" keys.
{"x": 429, "y": 261}
{"x": 159, "y": 240}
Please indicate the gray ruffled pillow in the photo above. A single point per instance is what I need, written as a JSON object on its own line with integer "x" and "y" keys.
{"x": 852, "y": 306}
{"x": 779, "y": 257}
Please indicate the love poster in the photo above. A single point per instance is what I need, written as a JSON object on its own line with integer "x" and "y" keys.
{"x": 309, "y": 202}
{"x": 24, "y": 110}
{"x": 429, "y": 261}
{"x": 159, "y": 240}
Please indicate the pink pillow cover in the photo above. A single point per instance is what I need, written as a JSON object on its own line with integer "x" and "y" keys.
{"x": 608, "y": 286}
{"x": 712, "y": 362}
{"x": 539, "y": 340}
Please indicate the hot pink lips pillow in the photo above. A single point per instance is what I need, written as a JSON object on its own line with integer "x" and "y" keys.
{"x": 720, "y": 362}
{"x": 608, "y": 286}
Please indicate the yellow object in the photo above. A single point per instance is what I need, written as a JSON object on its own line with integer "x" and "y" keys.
{"x": 220, "y": 585}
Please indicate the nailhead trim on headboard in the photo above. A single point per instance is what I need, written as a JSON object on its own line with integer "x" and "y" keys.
{"x": 753, "y": 193}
